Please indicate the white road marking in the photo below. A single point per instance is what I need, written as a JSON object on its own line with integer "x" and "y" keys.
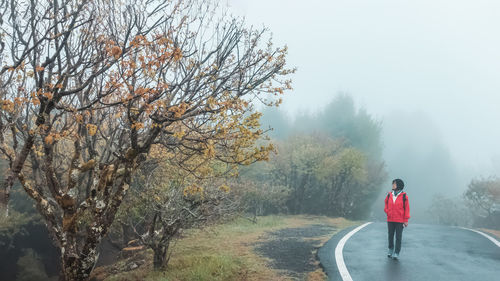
{"x": 339, "y": 257}
{"x": 485, "y": 235}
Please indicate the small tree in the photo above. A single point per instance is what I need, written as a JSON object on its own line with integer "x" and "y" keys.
{"x": 483, "y": 198}
{"x": 167, "y": 201}
{"x": 90, "y": 87}
{"x": 344, "y": 178}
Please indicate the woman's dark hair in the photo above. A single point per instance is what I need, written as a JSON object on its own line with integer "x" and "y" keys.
{"x": 399, "y": 184}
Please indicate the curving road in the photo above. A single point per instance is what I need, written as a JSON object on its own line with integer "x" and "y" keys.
{"x": 428, "y": 252}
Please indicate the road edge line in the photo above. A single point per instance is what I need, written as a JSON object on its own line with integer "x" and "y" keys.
{"x": 485, "y": 235}
{"x": 339, "y": 257}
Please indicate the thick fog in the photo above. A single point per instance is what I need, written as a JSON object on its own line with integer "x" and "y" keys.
{"x": 428, "y": 70}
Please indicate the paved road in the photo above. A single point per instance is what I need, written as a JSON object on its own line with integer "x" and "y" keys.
{"x": 428, "y": 253}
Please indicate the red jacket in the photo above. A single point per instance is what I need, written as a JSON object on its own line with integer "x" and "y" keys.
{"x": 395, "y": 210}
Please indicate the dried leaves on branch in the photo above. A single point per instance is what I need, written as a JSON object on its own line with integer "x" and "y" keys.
{"x": 89, "y": 89}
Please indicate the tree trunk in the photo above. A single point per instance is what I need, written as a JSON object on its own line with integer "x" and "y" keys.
{"x": 4, "y": 207}
{"x": 78, "y": 262}
{"x": 160, "y": 259}
{"x": 127, "y": 234}
{"x": 78, "y": 268}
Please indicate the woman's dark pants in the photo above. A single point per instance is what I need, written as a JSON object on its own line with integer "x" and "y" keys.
{"x": 398, "y": 228}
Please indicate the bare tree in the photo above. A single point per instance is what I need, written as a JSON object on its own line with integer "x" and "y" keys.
{"x": 90, "y": 88}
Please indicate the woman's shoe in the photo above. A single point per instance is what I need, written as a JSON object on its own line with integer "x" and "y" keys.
{"x": 389, "y": 253}
{"x": 395, "y": 256}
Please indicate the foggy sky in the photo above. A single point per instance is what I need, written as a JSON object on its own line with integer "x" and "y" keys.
{"x": 440, "y": 59}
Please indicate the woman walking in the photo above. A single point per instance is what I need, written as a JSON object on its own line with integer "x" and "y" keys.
{"x": 397, "y": 209}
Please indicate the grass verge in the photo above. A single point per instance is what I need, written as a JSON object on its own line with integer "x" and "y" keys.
{"x": 222, "y": 252}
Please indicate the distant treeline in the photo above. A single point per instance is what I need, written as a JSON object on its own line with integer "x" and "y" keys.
{"x": 328, "y": 163}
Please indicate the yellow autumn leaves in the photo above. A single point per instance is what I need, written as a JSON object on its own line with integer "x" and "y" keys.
{"x": 52, "y": 137}
{"x": 209, "y": 151}
{"x": 56, "y": 136}
{"x": 180, "y": 134}
{"x": 7, "y": 105}
{"x": 193, "y": 190}
{"x": 91, "y": 129}
{"x": 179, "y": 110}
{"x": 199, "y": 190}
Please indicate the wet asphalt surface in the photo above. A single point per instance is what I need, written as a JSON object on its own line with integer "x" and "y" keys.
{"x": 293, "y": 249}
{"x": 428, "y": 252}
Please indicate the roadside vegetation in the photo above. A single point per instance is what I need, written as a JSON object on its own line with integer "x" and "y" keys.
{"x": 478, "y": 207}
{"x": 221, "y": 252}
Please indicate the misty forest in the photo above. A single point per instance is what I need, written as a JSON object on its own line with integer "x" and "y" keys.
{"x": 184, "y": 140}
